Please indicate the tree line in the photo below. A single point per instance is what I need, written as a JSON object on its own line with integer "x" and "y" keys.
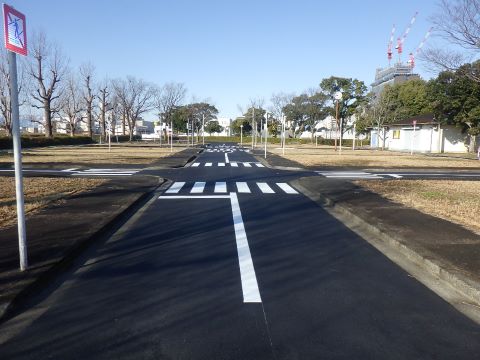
{"x": 49, "y": 86}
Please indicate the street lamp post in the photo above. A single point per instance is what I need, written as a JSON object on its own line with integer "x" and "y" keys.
{"x": 338, "y": 96}
{"x": 241, "y": 135}
{"x": 203, "y": 129}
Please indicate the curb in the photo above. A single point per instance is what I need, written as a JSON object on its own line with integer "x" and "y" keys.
{"x": 466, "y": 286}
{"x": 265, "y": 163}
{"x": 8, "y": 308}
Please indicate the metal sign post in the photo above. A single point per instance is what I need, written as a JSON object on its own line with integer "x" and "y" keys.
{"x": 266, "y": 133}
{"x": 413, "y": 136}
{"x": 16, "y": 42}
{"x": 171, "y": 136}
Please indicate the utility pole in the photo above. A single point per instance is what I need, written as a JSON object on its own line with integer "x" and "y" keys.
{"x": 203, "y": 129}
{"x": 253, "y": 127}
{"x": 338, "y": 96}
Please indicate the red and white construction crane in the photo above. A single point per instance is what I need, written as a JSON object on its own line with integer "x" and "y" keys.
{"x": 390, "y": 44}
{"x": 411, "y": 60}
{"x": 401, "y": 40}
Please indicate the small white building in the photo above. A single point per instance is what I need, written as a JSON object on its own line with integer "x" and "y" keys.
{"x": 421, "y": 134}
{"x": 225, "y": 123}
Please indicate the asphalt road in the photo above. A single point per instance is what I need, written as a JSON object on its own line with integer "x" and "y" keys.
{"x": 230, "y": 262}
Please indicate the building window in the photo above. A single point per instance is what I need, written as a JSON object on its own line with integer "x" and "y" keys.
{"x": 396, "y": 134}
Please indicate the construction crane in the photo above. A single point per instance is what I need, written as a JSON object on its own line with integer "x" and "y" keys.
{"x": 411, "y": 60}
{"x": 401, "y": 40}
{"x": 390, "y": 44}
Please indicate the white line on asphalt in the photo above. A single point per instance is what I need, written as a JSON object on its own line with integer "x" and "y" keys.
{"x": 259, "y": 165}
{"x": 208, "y": 164}
{"x": 195, "y": 197}
{"x": 226, "y": 158}
{"x": 198, "y": 187}
{"x": 195, "y": 164}
{"x": 221, "y": 164}
{"x": 242, "y": 187}
{"x": 395, "y": 176}
{"x": 72, "y": 169}
{"x": 251, "y": 293}
{"x": 287, "y": 188}
{"x": 233, "y": 164}
{"x": 175, "y": 188}
{"x": 371, "y": 176}
{"x": 246, "y": 164}
{"x": 220, "y": 187}
{"x": 101, "y": 174}
{"x": 264, "y": 188}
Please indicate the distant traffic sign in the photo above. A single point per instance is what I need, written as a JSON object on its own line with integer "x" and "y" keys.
{"x": 15, "y": 28}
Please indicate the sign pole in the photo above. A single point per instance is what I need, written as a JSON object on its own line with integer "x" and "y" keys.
{"x": 266, "y": 134}
{"x": 17, "y": 154}
{"x": 171, "y": 136}
{"x": 413, "y": 136}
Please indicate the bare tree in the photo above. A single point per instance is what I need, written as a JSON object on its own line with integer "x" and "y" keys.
{"x": 136, "y": 98}
{"x": 104, "y": 98}
{"x": 86, "y": 72}
{"x": 279, "y": 101}
{"x": 168, "y": 98}
{"x": 5, "y": 105}
{"x": 458, "y": 23}
{"x": 71, "y": 104}
{"x": 47, "y": 67}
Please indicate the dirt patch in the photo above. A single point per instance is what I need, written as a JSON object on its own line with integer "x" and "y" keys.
{"x": 309, "y": 155}
{"x": 93, "y": 154}
{"x": 39, "y": 193}
{"x": 456, "y": 201}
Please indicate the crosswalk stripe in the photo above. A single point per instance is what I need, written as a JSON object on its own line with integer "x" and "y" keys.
{"x": 208, "y": 164}
{"x": 264, "y": 188}
{"x": 242, "y": 187}
{"x": 198, "y": 187}
{"x": 175, "y": 188}
{"x": 221, "y": 187}
{"x": 246, "y": 164}
{"x": 221, "y": 164}
{"x": 259, "y": 165}
{"x": 195, "y": 164}
{"x": 233, "y": 164}
{"x": 287, "y": 188}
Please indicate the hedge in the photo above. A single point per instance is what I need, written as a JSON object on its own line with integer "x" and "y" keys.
{"x": 40, "y": 141}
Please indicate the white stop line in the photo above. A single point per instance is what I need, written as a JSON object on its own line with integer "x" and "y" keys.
{"x": 251, "y": 293}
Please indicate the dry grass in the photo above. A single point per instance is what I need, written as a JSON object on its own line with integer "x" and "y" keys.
{"x": 309, "y": 155}
{"x": 93, "y": 154}
{"x": 456, "y": 201}
{"x": 39, "y": 192}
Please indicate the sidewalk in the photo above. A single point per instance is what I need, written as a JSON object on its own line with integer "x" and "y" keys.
{"x": 59, "y": 233}
{"x": 442, "y": 249}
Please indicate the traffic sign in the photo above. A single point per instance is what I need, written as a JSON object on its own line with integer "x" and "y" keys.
{"x": 15, "y": 28}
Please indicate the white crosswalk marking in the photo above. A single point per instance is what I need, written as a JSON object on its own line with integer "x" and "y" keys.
{"x": 208, "y": 164}
{"x": 198, "y": 187}
{"x": 264, "y": 188}
{"x": 175, "y": 188}
{"x": 246, "y": 164}
{"x": 287, "y": 188}
{"x": 243, "y": 188}
{"x": 221, "y": 164}
{"x": 233, "y": 164}
{"x": 221, "y": 187}
{"x": 259, "y": 165}
{"x": 196, "y": 165}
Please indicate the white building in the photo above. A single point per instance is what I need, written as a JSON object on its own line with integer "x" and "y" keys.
{"x": 427, "y": 135}
{"x": 226, "y": 124}
{"x": 328, "y": 129}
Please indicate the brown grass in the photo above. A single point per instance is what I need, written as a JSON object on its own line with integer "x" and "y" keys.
{"x": 39, "y": 192}
{"x": 309, "y": 155}
{"x": 456, "y": 201}
{"x": 93, "y": 154}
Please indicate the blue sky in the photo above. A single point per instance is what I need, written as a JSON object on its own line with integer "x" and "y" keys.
{"x": 230, "y": 51}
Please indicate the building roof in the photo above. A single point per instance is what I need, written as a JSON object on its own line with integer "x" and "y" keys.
{"x": 425, "y": 119}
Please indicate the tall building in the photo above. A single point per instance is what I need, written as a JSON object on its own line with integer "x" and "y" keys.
{"x": 396, "y": 74}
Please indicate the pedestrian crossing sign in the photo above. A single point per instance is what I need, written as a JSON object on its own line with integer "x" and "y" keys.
{"x": 15, "y": 29}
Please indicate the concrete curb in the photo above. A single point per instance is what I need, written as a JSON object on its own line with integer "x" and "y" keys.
{"x": 421, "y": 257}
{"x": 265, "y": 163}
{"x": 8, "y": 308}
